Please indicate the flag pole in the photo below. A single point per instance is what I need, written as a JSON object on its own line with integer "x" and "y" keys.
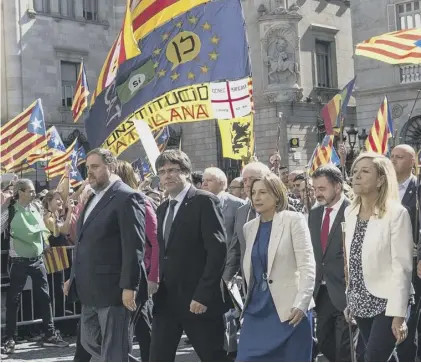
{"x": 341, "y": 136}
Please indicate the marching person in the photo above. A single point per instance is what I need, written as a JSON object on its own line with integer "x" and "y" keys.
{"x": 192, "y": 247}
{"x": 325, "y": 220}
{"x": 215, "y": 182}
{"x": 236, "y": 188}
{"x": 403, "y": 160}
{"x": 237, "y": 245}
{"x": 279, "y": 269}
{"x": 379, "y": 249}
{"x": 108, "y": 269}
{"x": 25, "y": 225}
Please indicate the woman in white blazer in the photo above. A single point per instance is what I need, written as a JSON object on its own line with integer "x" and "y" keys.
{"x": 279, "y": 269}
{"x": 379, "y": 244}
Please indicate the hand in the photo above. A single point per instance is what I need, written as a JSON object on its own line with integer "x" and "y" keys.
{"x": 419, "y": 269}
{"x": 295, "y": 317}
{"x": 197, "y": 308}
{"x": 342, "y": 150}
{"x": 399, "y": 329}
{"x": 70, "y": 205}
{"x": 152, "y": 287}
{"x": 67, "y": 169}
{"x": 348, "y": 316}
{"x": 128, "y": 298}
{"x": 66, "y": 286}
{"x": 6, "y": 197}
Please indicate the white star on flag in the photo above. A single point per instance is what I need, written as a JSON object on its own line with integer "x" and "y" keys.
{"x": 73, "y": 173}
{"x": 36, "y": 124}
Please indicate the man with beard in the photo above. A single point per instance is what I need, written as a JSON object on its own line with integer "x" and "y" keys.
{"x": 108, "y": 269}
{"x": 326, "y": 235}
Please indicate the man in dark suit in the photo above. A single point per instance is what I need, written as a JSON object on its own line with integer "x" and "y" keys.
{"x": 329, "y": 292}
{"x": 192, "y": 251}
{"x": 403, "y": 159}
{"x": 107, "y": 270}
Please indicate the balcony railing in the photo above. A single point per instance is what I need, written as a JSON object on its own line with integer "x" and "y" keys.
{"x": 410, "y": 73}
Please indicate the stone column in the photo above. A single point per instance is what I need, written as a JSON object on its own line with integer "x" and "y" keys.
{"x": 79, "y": 9}
{"x": 54, "y": 7}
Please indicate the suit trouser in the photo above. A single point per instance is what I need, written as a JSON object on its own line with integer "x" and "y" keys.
{"x": 408, "y": 349}
{"x": 105, "y": 333}
{"x": 142, "y": 321}
{"x": 206, "y": 334}
{"x": 20, "y": 269}
{"x": 332, "y": 330}
{"x": 378, "y": 337}
{"x": 81, "y": 355}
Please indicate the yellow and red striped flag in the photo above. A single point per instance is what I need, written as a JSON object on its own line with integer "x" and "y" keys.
{"x": 379, "y": 134}
{"x": 399, "y": 47}
{"x": 56, "y": 259}
{"x": 57, "y": 165}
{"x": 80, "y": 99}
{"x": 322, "y": 154}
{"x": 123, "y": 48}
{"x": 22, "y": 136}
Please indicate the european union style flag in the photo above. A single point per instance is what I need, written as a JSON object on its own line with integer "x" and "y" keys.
{"x": 206, "y": 44}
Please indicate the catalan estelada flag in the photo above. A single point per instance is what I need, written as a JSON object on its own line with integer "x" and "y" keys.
{"x": 332, "y": 111}
{"x": 57, "y": 165}
{"x": 399, "y": 47}
{"x": 323, "y": 154}
{"x": 56, "y": 259}
{"x": 380, "y": 133}
{"x": 124, "y": 47}
{"x": 22, "y": 136}
{"x": 80, "y": 99}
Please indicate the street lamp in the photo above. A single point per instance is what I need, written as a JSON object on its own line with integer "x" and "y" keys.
{"x": 361, "y": 139}
{"x": 352, "y": 136}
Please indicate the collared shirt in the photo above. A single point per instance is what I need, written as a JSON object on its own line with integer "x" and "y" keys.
{"x": 179, "y": 198}
{"x": 98, "y": 195}
{"x": 334, "y": 212}
{"x": 403, "y": 187}
{"x": 221, "y": 198}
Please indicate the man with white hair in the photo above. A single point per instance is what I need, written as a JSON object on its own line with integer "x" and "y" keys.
{"x": 215, "y": 181}
{"x": 244, "y": 214}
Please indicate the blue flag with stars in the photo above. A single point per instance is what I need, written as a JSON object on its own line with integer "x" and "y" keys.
{"x": 206, "y": 44}
{"x": 81, "y": 156}
{"x": 36, "y": 124}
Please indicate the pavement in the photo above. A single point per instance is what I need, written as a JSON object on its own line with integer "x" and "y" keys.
{"x": 34, "y": 352}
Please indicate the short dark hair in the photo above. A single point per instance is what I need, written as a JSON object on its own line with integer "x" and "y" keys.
{"x": 107, "y": 157}
{"x": 331, "y": 172}
{"x": 299, "y": 177}
{"x": 197, "y": 177}
{"x": 283, "y": 167}
{"x": 174, "y": 156}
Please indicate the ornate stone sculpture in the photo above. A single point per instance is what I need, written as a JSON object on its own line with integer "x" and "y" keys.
{"x": 282, "y": 66}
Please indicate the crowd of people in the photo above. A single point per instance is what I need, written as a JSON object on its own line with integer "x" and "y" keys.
{"x": 324, "y": 264}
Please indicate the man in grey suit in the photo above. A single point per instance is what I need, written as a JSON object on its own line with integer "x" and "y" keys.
{"x": 329, "y": 292}
{"x": 215, "y": 181}
{"x": 108, "y": 271}
{"x": 237, "y": 246}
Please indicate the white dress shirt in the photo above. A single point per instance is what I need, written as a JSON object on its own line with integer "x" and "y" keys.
{"x": 403, "y": 187}
{"x": 98, "y": 195}
{"x": 334, "y": 212}
{"x": 179, "y": 198}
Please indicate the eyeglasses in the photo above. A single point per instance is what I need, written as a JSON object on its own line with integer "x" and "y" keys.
{"x": 171, "y": 171}
{"x": 231, "y": 188}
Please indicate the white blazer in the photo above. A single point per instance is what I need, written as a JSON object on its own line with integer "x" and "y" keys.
{"x": 291, "y": 265}
{"x": 386, "y": 255}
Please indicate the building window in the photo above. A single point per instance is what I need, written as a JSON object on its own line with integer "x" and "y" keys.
{"x": 42, "y": 6}
{"x": 90, "y": 9}
{"x": 67, "y": 8}
{"x": 409, "y": 15}
{"x": 69, "y": 73}
{"x": 323, "y": 64}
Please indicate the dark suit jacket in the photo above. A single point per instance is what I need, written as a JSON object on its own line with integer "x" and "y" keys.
{"x": 191, "y": 265}
{"x": 330, "y": 265}
{"x": 409, "y": 202}
{"x": 110, "y": 249}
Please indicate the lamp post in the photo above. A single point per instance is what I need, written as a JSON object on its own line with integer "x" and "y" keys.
{"x": 352, "y": 137}
{"x": 362, "y": 136}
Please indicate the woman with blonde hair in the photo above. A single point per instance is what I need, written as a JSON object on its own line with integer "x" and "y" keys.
{"x": 378, "y": 247}
{"x": 279, "y": 269}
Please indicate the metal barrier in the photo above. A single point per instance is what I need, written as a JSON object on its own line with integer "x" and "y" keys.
{"x": 62, "y": 306}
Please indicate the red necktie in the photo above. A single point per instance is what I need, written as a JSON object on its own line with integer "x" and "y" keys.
{"x": 324, "y": 233}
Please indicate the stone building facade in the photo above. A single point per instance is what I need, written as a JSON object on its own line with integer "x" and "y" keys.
{"x": 301, "y": 53}
{"x": 376, "y": 79}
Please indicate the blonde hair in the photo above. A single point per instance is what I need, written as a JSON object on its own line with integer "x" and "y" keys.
{"x": 276, "y": 189}
{"x": 127, "y": 174}
{"x": 388, "y": 190}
